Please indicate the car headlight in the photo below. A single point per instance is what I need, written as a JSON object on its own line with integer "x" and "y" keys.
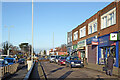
{"x": 81, "y": 62}
{"x": 72, "y": 62}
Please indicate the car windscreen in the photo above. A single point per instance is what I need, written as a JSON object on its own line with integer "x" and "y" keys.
{"x": 52, "y": 56}
{"x": 74, "y": 58}
{"x": 10, "y": 60}
{"x": 63, "y": 57}
{"x": 57, "y": 57}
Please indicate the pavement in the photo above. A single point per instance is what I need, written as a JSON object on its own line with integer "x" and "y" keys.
{"x": 54, "y": 71}
{"x": 19, "y": 75}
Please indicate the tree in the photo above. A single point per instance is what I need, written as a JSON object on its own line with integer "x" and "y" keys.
{"x": 24, "y": 47}
{"x": 15, "y": 50}
{"x": 5, "y": 47}
{"x": 44, "y": 52}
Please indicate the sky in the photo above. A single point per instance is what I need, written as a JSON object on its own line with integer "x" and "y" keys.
{"x": 49, "y": 17}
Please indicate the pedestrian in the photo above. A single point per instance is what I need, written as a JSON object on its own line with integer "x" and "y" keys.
{"x": 110, "y": 62}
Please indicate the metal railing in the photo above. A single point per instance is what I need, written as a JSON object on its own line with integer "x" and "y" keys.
{"x": 8, "y": 70}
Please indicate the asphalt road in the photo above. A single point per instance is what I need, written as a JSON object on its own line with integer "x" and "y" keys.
{"x": 54, "y": 71}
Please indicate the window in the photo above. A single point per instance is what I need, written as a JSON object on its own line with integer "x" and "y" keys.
{"x": 90, "y": 29}
{"x": 83, "y": 32}
{"x": 95, "y": 27}
{"x": 111, "y": 19}
{"x": 104, "y": 21}
{"x": 108, "y": 18}
{"x": 92, "y": 26}
{"x": 68, "y": 40}
{"x": 71, "y": 38}
{"x": 76, "y": 35}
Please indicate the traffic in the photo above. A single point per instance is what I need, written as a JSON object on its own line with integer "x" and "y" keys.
{"x": 68, "y": 61}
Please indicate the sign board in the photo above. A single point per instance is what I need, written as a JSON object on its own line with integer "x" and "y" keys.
{"x": 92, "y": 40}
{"x": 95, "y": 41}
{"x": 119, "y": 36}
{"x": 113, "y": 36}
{"x": 82, "y": 43}
{"x": 105, "y": 41}
{"x": 74, "y": 46}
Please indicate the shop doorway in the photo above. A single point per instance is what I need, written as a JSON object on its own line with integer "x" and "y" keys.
{"x": 106, "y": 51}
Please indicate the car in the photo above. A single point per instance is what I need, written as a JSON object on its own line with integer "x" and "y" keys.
{"x": 3, "y": 62}
{"x": 62, "y": 61}
{"x": 56, "y": 59}
{"x": 52, "y": 58}
{"x": 21, "y": 61}
{"x": 73, "y": 61}
{"x": 10, "y": 60}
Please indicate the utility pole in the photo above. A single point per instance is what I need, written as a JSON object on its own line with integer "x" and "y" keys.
{"x": 32, "y": 30}
{"x": 8, "y": 39}
{"x": 53, "y": 40}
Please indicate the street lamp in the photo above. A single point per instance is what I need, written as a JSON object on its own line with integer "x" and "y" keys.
{"x": 32, "y": 30}
{"x": 8, "y": 38}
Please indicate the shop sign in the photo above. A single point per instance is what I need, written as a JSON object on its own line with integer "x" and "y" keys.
{"x": 89, "y": 40}
{"x": 113, "y": 36}
{"x": 92, "y": 40}
{"x": 74, "y": 46}
{"x": 81, "y": 43}
{"x": 104, "y": 41}
{"x": 119, "y": 36}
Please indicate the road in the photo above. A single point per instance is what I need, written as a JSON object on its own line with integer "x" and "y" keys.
{"x": 54, "y": 71}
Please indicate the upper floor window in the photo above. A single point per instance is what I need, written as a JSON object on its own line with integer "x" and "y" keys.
{"x": 83, "y": 32}
{"x": 68, "y": 40}
{"x": 95, "y": 27}
{"x": 92, "y": 26}
{"x": 75, "y": 35}
{"x": 108, "y": 18}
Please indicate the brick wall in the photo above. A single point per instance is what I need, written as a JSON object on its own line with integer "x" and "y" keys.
{"x": 98, "y": 15}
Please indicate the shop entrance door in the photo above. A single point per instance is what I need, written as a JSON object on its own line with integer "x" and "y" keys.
{"x": 82, "y": 55}
{"x": 92, "y": 51}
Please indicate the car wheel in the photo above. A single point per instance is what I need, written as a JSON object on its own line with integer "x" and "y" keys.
{"x": 82, "y": 66}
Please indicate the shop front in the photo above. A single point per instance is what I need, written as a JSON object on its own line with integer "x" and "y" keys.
{"x": 92, "y": 45}
{"x": 74, "y": 51}
{"x": 69, "y": 48}
{"x": 107, "y": 47}
{"x": 81, "y": 49}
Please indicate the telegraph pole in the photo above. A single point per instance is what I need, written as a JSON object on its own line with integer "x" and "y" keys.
{"x": 32, "y": 30}
{"x": 53, "y": 40}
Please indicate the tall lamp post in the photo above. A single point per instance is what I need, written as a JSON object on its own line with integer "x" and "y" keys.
{"x": 32, "y": 30}
{"x": 8, "y": 39}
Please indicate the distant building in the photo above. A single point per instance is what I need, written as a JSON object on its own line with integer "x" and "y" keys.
{"x": 47, "y": 52}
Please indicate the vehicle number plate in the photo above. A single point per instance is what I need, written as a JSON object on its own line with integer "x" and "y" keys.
{"x": 77, "y": 64}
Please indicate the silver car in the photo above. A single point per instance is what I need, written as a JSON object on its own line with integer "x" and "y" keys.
{"x": 52, "y": 58}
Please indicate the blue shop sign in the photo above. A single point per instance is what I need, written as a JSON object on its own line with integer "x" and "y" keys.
{"x": 105, "y": 41}
{"x": 90, "y": 40}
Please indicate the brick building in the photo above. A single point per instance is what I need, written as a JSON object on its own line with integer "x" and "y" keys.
{"x": 91, "y": 39}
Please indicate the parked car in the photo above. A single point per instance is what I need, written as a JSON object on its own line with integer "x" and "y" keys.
{"x": 56, "y": 59}
{"x": 10, "y": 60}
{"x": 21, "y": 61}
{"x": 3, "y": 62}
{"x": 73, "y": 61}
{"x": 62, "y": 61}
{"x": 52, "y": 58}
